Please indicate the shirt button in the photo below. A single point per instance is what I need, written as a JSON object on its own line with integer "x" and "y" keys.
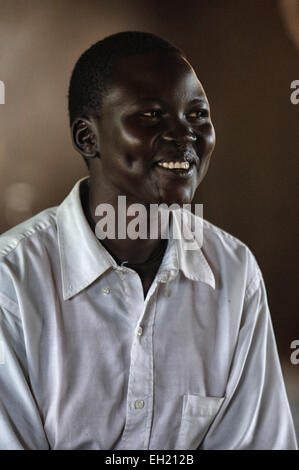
{"x": 166, "y": 293}
{"x": 106, "y": 290}
{"x": 139, "y": 331}
{"x": 139, "y": 404}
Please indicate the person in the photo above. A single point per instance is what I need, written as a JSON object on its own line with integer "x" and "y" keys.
{"x": 136, "y": 343}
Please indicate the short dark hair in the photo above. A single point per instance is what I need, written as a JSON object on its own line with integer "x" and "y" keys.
{"x": 89, "y": 79}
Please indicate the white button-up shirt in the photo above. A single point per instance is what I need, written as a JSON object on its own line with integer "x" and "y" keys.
{"x": 88, "y": 363}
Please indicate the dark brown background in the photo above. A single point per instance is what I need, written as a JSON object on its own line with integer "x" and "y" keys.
{"x": 246, "y": 58}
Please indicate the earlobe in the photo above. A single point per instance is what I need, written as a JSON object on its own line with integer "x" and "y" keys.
{"x": 84, "y": 138}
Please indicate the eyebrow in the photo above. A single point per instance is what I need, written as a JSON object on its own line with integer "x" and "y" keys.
{"x": 198, "y": 100}
{"x": 150, "y": 98}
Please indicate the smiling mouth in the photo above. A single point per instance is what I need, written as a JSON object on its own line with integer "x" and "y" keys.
{"x": 180, "y": 169}
{"x": 175, "y": 165}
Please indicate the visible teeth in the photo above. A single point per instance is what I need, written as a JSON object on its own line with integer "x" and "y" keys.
{"x": 175, "y": 165}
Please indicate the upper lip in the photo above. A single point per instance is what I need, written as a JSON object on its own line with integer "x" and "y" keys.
{"x": 186, "y": 157}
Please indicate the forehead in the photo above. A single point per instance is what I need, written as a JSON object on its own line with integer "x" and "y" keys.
{"x": 153, "y": 75}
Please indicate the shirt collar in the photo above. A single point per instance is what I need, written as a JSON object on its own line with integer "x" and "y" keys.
{"x": 83, "y": 258}
{"x": 184, "y": 250}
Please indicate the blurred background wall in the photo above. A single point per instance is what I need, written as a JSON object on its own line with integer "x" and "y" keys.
{"x": 246, "y": 54}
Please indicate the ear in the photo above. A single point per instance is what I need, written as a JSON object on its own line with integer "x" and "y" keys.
{"x": 84, "y": 138}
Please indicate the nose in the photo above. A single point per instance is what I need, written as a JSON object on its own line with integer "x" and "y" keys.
{"x": 179, "y": 132}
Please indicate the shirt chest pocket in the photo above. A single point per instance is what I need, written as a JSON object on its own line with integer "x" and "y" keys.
{"x": 197, "y": 416}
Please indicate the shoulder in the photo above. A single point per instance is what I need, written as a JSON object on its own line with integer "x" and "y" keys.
{"x": 225, "y": 240}
{"x": 229, "y": 257}
{"x": 208, "y": 233}
{"x": 22, "y": 250}
{"x": 35, "y": 227}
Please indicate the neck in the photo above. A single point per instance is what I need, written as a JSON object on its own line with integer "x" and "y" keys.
{"x": 140, "y": 253}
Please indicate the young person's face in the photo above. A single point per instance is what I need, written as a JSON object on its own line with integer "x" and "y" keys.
{"x": 155, "y": 111}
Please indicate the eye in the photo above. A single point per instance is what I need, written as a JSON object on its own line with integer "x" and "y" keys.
{"x": 198, "y": 114}
{"x": 153, "y": 113}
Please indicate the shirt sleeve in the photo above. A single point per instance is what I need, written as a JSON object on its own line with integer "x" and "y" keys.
{"x": 255, "y": 413}
{"x": 21, "y": 425}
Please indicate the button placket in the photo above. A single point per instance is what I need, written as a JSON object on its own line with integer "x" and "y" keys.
{"x": 140, "y": 386}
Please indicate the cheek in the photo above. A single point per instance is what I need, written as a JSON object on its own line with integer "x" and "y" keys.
{"x": 208, "y": 144}
{"x": 135, "y": 136}
{"x": 207, "y": 133}
{"x": 133, "y": 149}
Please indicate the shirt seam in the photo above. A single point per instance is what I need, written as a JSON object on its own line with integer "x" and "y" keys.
{"x": 8, "y": 249}
{"x": 254, "y": 283}
{"x": 213, "y": 228}
{"x": 10, "y": 305}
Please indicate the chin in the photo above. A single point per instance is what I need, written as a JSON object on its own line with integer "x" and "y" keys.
{"x": 179, "y": 199}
